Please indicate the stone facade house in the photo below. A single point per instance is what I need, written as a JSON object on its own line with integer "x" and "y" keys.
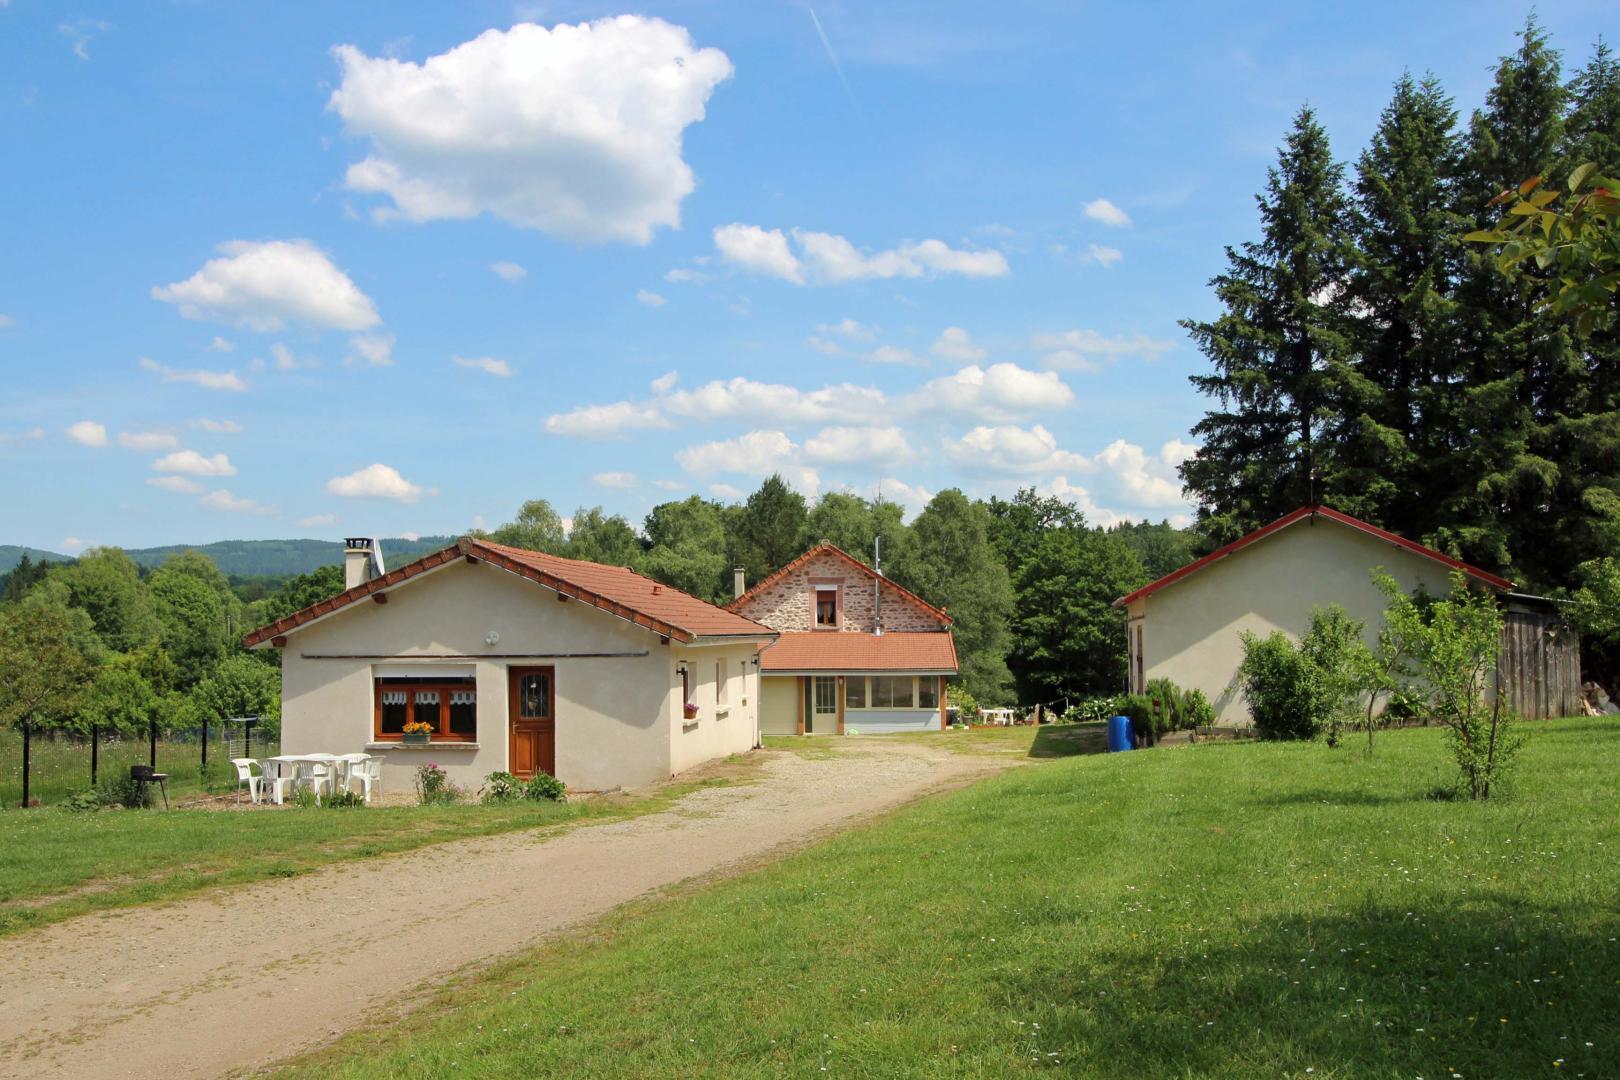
{"x": 854, "y": 651}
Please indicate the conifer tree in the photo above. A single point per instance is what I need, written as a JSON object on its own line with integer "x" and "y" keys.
{"x": 1279, "y": 348}
{"x": 1592, "y": 131}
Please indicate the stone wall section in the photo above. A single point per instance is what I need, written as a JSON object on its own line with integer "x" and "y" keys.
{"x": 786, "y": 604}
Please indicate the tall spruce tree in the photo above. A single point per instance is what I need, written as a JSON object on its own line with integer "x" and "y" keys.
{"x": 1405, "y": 226}
{"x": 1592, "y": 130}
{"x": 1279, "y": 348}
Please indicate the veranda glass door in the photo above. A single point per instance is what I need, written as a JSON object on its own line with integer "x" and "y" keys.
{"x": 821, "y": 705}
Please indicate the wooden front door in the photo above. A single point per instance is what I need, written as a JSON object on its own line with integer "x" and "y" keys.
{"x": 531, "y": 711}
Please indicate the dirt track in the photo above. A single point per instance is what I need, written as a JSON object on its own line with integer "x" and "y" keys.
{"x": 246, "y": 976}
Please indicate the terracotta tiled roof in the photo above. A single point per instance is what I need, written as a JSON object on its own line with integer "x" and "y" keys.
{"x": 832, "y": 549}
{"x": 1305, "y": 513}
{"x": 614, "y": 589}
{"x": 832, "y": 650}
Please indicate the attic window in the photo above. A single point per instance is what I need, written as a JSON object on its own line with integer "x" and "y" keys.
{"x": 826, "y": 607}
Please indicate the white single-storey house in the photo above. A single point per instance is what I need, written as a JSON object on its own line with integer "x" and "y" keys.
{"x": 1187, "y": 626}
{"x": 854, "y": 652}
{"x": 518, "y": 662}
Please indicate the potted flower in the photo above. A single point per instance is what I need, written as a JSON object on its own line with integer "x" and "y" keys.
{"x": 691, "y": 710}
{"x": 417, "y": 733}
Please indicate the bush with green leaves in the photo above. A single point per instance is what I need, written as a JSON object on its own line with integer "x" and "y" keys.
{"x": 343, "y": 800}
{"x": 1281, "y": 686}
{"x": 1334, "y": 648}
{"x": 543, "y": 787}
{"x": 433, "y": 786}
{"x": 83, "y": 802}
{"x": 1093, "y": 710}
{"x": 500, "y": 787}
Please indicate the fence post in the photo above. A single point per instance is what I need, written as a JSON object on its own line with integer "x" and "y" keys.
{"x": 205, "y": 745}
{"x": 95, "y": 745}
{"x": 27, "y": 734}
{"x": 152, "y": 729}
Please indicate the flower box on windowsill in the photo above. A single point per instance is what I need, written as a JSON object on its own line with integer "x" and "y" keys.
{"x": 413, "y": 738}
{"x": 690, "y": 711}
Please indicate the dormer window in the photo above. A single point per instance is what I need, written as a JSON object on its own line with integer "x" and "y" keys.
{"x": 826, "y": 607}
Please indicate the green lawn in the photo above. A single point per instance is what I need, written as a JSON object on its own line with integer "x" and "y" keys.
{"x": 61, "y": 767}
{"x": 1046, "y": 741}
{"x": 1215, "y": 910}
{"x": 55, "y": 864}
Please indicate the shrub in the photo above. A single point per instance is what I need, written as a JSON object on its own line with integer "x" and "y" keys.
{"x": 1281, "y": 686}
{"x": 433, "y": 786}
{"x": 1139, "y": 708}
{"x": 1093, "y": 710}
{"x": 501, "y": 787}
{"x": 121, "y": 791}
{"x": 1342, "y": 667}
{"x": 543, "y": 787}
{"x": 343, "y": 800}
{"x": 83, "y": 801}
{"x": 1198, "y": 711}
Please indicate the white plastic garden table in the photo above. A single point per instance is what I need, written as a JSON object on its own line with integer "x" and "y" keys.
{"x": 294, "y": 760}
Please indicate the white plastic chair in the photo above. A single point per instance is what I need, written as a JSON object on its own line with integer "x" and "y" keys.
{"x": 246, "y": 778}
{"x": 315, "y": 775}
{"x": 368, "y": 771}
{"x": 345, "y": 768}
{"x": 281, "y": 784}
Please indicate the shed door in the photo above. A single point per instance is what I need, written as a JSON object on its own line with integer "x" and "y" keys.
{"x": 531, "y": 702}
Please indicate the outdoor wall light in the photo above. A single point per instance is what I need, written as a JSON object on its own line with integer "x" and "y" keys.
{"x": 492, "y": 639}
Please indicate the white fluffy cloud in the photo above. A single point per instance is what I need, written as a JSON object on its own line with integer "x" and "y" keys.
{"x": 88, "y": 433}
{"x": 225, "y": 502}
{"x": 208, "y": 380}
{"x": 1143, "y": 481}
{"x": 508, "y": 271}
{"x": 1104, "y": 256}
{"x": 606, "y": 421}
{"x": 489, "y": 365}
{"x": 827, "y": 258}
{"x": 848, "y": 328}
{"x": 191, "y": 463}
{"x": 148, "y": 441}
{"x": 665, "y": 382}
{"x": 1174, "y": 452}
{"x": 763, "y": 252}
{"x": 1089, "y": 350}
{"x": 266, "y": 285}
{"x": 177, "y": 484}
{"x": 618, "y": 481}
{"x": 376, "y": 481}
{"x": 892, "y": 354}
{"x": 1106, "y": 212}
{"x": 372, "y": 350}
{"x": 999, "y": 392}
{"x": 1010, "y": 449}
{"x": 217, "y": 427}
{"x": 955, "y": 343}
{"x": 775, "y": 403}
{"x": 220, "y": 344}
{"x": 849, "y": 445}
{"x": 758, "y": 453}
{"x": 650, "y": 298}
{"x": 574, "y": 130}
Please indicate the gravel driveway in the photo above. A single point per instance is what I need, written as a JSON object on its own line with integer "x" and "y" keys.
{"x": 241, "y": 977}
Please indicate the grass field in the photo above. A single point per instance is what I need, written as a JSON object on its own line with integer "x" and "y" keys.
{"x": 61, "y": 767}
{"x": 1228, "y": 910}
{"x": 55, "y": 864}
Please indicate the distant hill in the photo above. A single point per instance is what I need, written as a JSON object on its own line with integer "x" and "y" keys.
{"x": 253, "y": 558}
{"x": 11, "y": 555}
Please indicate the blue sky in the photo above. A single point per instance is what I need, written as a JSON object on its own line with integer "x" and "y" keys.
{"x": 392, "y": 268}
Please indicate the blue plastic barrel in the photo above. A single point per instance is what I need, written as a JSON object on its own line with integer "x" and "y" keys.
{"x": 1119, "y": 733}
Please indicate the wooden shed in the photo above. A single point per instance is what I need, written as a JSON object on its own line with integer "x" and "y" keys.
{"x": 1539, "y": 666}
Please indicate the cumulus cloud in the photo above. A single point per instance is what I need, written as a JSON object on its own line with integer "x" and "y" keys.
{"x": 665, "y": 382}
{"x": 574, "y": 130}
{"x": 606, "y": 421}
{"x": 1143, "y": 481}
{"x": 1088, "y": 350}
{"x": 1106, "y": 212}
{"x": 650, "y": 298}
{"x": 88, "y": 433}
{"x": 826, "y": 258}
{"x": 775, "y": 403}
{"x": 1001, "y": 391}
{"x": 287, "y": 361}
{"x": 208, "y": 380}
{"x": 220, "y": 344}
{"x": 1104, "y": 256}
{"x": 1015, "y": 450}
{"x": 955, "y": 343}
{"x": 266, "y": 285}
{"x": 177, "y": 484}
{"x": 825, "y": 347}
{"x": 1175, "y": 451}
{"x": 849, "y": 445}
{"x": 489, "y": 365}
{"x": 371, "y": 350}
{"x": 892, "y": 354}
{"x": 619, "y": 481}
{"x": 148, "y": 441}
{"x": 217, "y": 427}
{"x": 508, "y": 271}
{"x": 763, "y": 252}
{"x": 192, "y": 463}
{"x": 848, "y": 328}
{"x": 1100, "y": 516}
{"x": 376, "y": 481}
{"x": 224, "y": 501}
{"x": 757, "y": 453}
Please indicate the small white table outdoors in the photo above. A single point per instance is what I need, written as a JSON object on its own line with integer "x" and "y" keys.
{"x": 284, "y": 762}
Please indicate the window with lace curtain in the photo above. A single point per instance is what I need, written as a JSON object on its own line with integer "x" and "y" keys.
{"x": 449, "y": 705}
